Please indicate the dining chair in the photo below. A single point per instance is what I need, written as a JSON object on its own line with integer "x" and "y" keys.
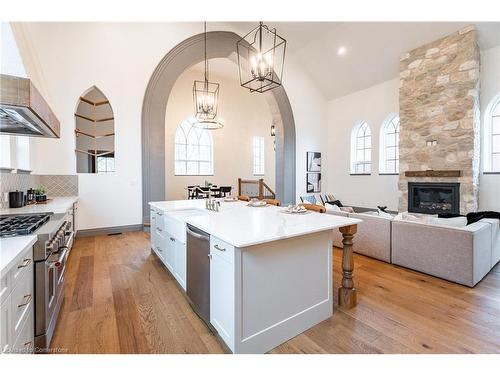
{"x": 314, "y": 207}
{"x": 191, "y": 191}
{"x": 225, "y": 191}
{"x": 201, "y": 192}
{"x": 273, "y": 202}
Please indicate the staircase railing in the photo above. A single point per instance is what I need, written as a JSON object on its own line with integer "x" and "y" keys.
{"x": 255, "y": 189}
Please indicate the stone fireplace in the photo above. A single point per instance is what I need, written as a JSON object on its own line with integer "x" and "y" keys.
{"x": 439, "y": 114}
{"x": 434, "y": 197}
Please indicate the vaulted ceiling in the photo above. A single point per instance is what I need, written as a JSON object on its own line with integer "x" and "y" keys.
{"x": 372, "y": 49}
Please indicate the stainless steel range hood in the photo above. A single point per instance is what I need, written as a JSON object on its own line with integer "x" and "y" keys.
{"x": 23, "y": 111}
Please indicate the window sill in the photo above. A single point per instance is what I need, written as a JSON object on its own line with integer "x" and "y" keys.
{"x": 360, "y": 174}
{"x": 491, "y": 172}
{"x": 23, "y": 171}
{"x": 193, "y": 175}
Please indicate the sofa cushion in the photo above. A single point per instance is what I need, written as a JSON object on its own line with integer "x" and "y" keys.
{"x": 456, "y": 222}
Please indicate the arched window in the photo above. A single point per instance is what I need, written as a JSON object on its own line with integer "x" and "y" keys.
{"x": 193, "y": 150}
{"x": 361, "y": 149}
{"x": 491, "y": 157}
{"x": 95, "y": 133}
{"x": 389, "y": 145}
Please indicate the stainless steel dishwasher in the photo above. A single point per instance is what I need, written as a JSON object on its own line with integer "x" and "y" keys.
{"x": 198, "y": 271}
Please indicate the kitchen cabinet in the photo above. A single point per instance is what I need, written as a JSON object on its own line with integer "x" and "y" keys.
{"x": 180, "y": 263}
{"x": 17, "y": 319}
{"x": 222, "y": 290}
{"x": 168, "y": 241}
{"x": 169, "y": 259}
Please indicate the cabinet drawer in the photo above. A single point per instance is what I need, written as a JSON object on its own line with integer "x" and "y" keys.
{"x": 159, "y": 218}
{"x": 159, "y": 249}
{"x": 6, "y": 340}
{"x": 22, "y": 300}
{"x": 222, "y": 249}
{"x": 25, "y": 340}
{"x": 5, "y": 287}
{"x": 23, "y": 264}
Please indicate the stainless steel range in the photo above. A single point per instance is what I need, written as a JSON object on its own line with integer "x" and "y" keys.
{"x": 55, "y": 238}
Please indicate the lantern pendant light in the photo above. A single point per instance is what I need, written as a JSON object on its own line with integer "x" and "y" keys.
{"x": 261, "y": 56}
{"x": 206, "y": 98}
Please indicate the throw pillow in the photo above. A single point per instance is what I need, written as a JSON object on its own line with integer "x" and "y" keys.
{"x": 331, "y": 207}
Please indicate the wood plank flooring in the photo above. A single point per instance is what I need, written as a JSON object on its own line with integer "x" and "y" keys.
{"x": 120, "y": 299}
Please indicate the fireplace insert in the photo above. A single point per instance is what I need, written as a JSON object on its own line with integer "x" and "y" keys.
{"x": 434, "y": 197}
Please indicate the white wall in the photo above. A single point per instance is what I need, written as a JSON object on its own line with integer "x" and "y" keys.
{"x": 119, "y": 58}
{"x": 489, "y": 184}
{"x": 372, "y": 105}
{"x": 245, "y": 115}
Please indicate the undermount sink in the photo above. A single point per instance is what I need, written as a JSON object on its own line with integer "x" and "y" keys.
{"x": 188, "y": 212}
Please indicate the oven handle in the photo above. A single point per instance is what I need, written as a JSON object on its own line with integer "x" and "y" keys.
{"x": 69, "y": 242}
{"x": 59, "y": 260}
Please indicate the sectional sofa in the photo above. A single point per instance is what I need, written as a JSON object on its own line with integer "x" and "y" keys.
{"x": 462, "y": 255}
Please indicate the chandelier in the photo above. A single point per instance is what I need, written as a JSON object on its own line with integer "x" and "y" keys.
{"x": 206, "y": 97}
{"x": 261, "y": 56}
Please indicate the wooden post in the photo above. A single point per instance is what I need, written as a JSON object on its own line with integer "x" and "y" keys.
{"x": 261, "y": 188}
{"x": 347, "y": 292}
{"x": 239, "y": 186}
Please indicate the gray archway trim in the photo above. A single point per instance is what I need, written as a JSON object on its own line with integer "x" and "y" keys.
{"x": 181, "y": 57}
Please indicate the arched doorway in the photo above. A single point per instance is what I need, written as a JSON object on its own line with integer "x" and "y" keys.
{"x": 181, "y": 57}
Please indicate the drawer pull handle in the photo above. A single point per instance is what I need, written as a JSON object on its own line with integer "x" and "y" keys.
{"x": 172, "y": 239}
{"x": 219, "y": 248}
{"x": 159, "y": 229}
{"x": 159, "y": 213}
{"x": 27, "y": 300}
{"x": 26, "y": 263}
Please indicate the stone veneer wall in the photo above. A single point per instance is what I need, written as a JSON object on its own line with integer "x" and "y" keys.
{"x": 439, "y": 101}
{"x": 56, "y": 185}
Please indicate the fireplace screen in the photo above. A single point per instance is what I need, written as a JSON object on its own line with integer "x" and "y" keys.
{"x": 434, "y": 198}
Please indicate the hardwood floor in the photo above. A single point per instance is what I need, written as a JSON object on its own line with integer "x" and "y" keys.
{"x": 120, "y": 299}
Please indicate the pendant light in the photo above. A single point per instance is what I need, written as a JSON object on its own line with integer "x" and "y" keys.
{"x": 261, "y": 56}
{"x": 206, "y": 98}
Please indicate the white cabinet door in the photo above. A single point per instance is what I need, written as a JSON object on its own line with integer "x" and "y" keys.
{"x": 6, "y": 340}
{"x": 180, "y": 263}
{"x": 152, "y": 228}
{"x": 222, "y": 297}
{"x": 169, "y": 259}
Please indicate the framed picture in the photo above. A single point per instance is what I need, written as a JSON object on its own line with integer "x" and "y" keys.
{"x": 313, "y": 161}
{"x": 313, "y": 182}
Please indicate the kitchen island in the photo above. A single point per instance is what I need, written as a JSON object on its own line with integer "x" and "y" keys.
{"x": 270, "y": 271}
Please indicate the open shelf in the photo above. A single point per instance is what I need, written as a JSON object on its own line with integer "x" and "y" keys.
{"x": 94, "y": 120}
{"x": 85, "y": 100}
{"x": 95, "y": 136}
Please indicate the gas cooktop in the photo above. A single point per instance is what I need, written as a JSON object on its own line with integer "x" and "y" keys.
{"x": 19, "y": 225}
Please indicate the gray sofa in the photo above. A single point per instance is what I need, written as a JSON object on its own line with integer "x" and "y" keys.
{"x": 373, "y": 237}
{"x": 461, "y": 255}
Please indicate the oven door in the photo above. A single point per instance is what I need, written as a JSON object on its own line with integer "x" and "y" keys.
{"x": 49, "y": 276}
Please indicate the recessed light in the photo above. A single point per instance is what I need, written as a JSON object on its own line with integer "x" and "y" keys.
{"x": 341, "y": 51}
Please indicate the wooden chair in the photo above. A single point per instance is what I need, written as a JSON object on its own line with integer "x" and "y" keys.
{"x": 274, "y": 202}
{"x": 314, "y": 207}
{"x": 244, "y": 198}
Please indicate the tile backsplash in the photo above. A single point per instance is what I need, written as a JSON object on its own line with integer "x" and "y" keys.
{"x": 56, "y": 185}
{"x": 60, "y": 185}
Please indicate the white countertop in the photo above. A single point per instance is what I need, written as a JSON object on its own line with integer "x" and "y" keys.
{"x": 11, "y": 249}
{"x": 57, "y": 205}
{"x": 242, "y": 226}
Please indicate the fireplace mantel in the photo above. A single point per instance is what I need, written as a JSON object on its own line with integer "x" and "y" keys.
{"x": 433, "y": 173}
